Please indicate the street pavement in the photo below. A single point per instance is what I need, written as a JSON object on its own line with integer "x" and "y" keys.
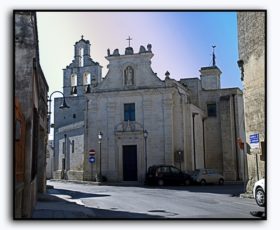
{"x": 68, "y": 200}
{"x": 56, "y": 205}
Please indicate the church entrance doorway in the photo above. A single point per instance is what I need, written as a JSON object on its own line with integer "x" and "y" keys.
{"x": 130, "y": 163}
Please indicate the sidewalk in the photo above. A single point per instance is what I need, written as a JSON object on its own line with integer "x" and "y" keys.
{"x": 53, "y": 205}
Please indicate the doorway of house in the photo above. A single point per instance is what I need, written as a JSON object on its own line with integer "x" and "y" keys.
{"x": 130, "y": 163}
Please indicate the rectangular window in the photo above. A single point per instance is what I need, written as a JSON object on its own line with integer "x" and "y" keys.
{"x": 129, "y": 112}
{"x": 211, "y": 110}
{"x": 73, "y": 146}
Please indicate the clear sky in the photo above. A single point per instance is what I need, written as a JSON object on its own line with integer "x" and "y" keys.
{"x": 181, "y": 41}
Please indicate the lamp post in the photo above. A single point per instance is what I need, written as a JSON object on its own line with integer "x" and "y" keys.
{"x": 180, "y": 159}
{"x": 100, "y": 135}
{"x": 194, "y": 153}
{"x": 62, "y": 106}
{"x": 64, "y": 164}
{"x": 145, "y": 134}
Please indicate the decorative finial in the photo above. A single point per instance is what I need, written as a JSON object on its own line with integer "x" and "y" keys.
{"x": 129, "y": 39}
{"x": 82, "y": 37}
{"x": 167, "y": 74}
{"x": 213, "y": 56}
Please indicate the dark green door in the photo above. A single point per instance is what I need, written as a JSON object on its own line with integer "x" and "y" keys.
{"x": 130, "y": 163}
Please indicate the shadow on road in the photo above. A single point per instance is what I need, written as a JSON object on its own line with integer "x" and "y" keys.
{"x": 122, "y": 215}
{"x": 51, "y": 207}
{"x": 75, "y": 194}
{"x": 260, "y": 214}
{"x": 230, "y": 189}
{"x": 233, "y": 190}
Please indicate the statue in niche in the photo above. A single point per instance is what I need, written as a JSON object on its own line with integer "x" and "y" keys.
{"x": 129, "y": 76}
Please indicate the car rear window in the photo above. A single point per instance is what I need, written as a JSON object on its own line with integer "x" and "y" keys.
{"x": 163, "y": 169}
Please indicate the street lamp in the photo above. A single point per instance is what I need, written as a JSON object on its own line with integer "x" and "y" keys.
{"x": 180, "y": 159}
{"x": 62, "y": 106}
{"x": 145, "y": 134}
{"x": 100, "y": 135}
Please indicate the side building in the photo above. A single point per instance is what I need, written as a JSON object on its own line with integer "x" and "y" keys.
{"x": 191, "y": 123}
{"x": 251, "y": 47}
{"x": 30, "y": 119}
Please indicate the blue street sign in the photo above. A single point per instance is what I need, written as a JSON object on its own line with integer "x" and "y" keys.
{"x": 254, "y": 141}
{"x": 254, "y": 138}
{"x": 91, "y": 159}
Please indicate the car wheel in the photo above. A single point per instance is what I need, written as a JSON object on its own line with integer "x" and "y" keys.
{"x": 187, "y": 182}
{"x": 160, "y": 182}
{"x": 260, "y": 197}
{"x": 203, "y": 182}
{"x": 221, "y": 181}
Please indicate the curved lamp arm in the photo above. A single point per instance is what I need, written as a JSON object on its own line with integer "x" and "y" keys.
{"x": 62, "y": 106}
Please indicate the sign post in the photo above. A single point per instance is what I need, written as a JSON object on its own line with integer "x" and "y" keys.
{"x": 255, "y": 144}
{"x": 91, "y": 160}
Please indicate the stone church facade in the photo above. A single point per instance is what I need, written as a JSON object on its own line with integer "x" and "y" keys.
{"x": 191, "y": 123}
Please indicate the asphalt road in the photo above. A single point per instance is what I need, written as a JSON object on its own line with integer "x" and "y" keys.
{"x": 143, "y": 202}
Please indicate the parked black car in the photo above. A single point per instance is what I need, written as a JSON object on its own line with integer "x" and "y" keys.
{"x": 167, "y": 175}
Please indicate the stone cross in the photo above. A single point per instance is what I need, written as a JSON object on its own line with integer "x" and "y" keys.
{"x": 129, "y": 39}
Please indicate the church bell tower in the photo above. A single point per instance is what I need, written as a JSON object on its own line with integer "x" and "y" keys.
{"x": 83, "y": 74}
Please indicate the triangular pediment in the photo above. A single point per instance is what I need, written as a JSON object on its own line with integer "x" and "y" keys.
{"x": 130, "y": 72}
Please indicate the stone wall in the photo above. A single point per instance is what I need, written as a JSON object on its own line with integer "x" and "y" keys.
{"x": 251, "y": 47}
{"x": 31, "y": 90}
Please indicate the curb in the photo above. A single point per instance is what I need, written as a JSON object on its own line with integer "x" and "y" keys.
{"x": 77, "y": 181}
{"x": 247, "y": 195}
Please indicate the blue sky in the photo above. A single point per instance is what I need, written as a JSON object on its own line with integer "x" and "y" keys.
{"x": 181, "y": 41}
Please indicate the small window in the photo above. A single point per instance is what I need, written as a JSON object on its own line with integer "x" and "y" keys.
{"x": 74, "y": 80}
{"x": 86, "y": 82}
{"x": 211, "y": 110}
{"x": 73, "y": 146}
{"x": 73, "y": 84}
{"x": 82, "y": 57}
{"x": 74, "y": 115}
{"x": 129, "y": 112}
{"x": 18, "y": 130}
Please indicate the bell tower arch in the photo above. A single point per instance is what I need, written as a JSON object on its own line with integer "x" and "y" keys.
{"x": 83, "y": 74}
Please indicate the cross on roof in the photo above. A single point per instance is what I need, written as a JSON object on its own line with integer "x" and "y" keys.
{"x": 129, "y": 39}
